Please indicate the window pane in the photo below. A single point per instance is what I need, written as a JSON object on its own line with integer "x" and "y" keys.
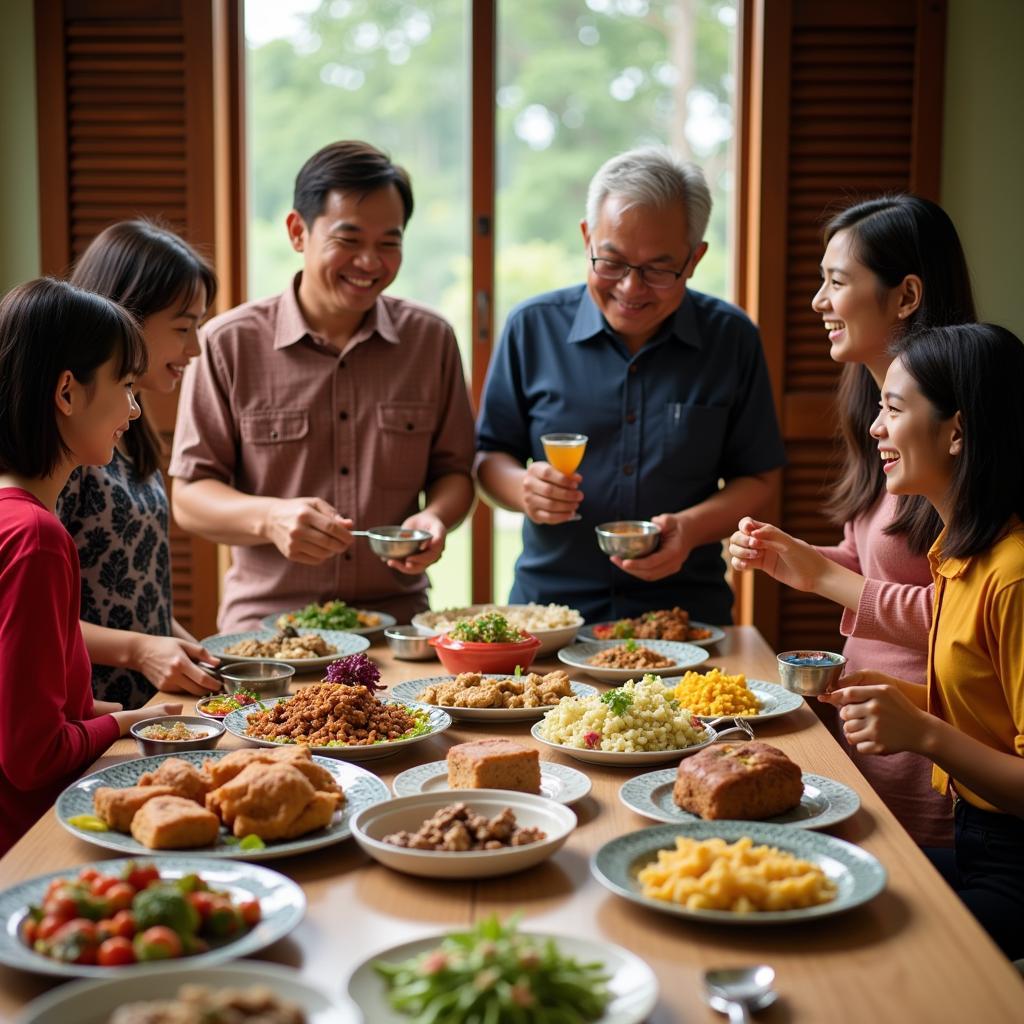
{"x": 579, "y": 82}
{"x": 393, "y": 73}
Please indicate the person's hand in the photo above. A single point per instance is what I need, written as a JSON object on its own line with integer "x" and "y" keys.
{"x": 672, "y": 551}
{"x": 866, "y": 677}
{"x": 104, "y": 707}
{"x": 416, "y": 563}
{"x": 169, "y": 664}
{"x": 126, "y": 719}
{"x": 757, "y": 545}
{"x": 550, "y": 496}
{"x": 307, "y": 530}
{"x": 878, "y": 719}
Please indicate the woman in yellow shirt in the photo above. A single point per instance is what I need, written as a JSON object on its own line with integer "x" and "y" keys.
{"x": 951, "y": 427}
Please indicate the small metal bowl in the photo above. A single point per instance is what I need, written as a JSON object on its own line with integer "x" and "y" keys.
{"x": 211, "y": 730}
{"x": 810, "y": 680}
{"x": 628, "y": 538}
{"x": 396, "y": 541}
{"x": 264, "y": 678}
{"x": 409, "y": 643}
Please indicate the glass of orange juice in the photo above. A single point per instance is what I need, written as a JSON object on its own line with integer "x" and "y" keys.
{"x": 565, "y": 453}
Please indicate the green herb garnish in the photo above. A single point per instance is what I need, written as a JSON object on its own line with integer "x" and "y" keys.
{"x": 518, "y": 672}
{"x": 329, "y": 615}
{"x": 623, "y": 630}
{"x": 252, "y": 842}
{"x": 489, "y": 628}
{"x": 618, "y": 700}
{"x": 630, "y": 645}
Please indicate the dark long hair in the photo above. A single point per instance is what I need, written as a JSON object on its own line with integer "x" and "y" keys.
{"x": 976, "y": 370}
{"x": 145, "y": 267}
{"x": 894, "y": 236}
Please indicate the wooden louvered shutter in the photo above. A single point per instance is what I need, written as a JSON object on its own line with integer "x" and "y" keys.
{"x": 842, "y": 101}
{"x": 128, "y": 96}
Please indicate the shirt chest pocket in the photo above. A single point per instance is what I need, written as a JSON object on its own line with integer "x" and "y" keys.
{"x": 274, "y": 426}
{"x": 406, "y": 429}
{"x": 693, "y": 438}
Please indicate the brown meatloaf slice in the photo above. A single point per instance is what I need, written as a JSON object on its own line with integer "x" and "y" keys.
{"x": 494, "y": 764}
{"x": 748, "y": 781}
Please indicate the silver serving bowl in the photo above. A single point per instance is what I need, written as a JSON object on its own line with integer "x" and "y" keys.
{"x": 628, "y": 538}
{"x": 810, "y": 680}
{"x": 396, "y": 541}
{"x": 264, "y": 678}
{"x": 409, "y": 643}
{"x": 211, "y": 730}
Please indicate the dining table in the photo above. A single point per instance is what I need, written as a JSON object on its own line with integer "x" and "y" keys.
{"x": 911, "y": 954}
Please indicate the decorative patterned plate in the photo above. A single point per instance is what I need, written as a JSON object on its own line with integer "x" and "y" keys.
{"x": 632, "y": 984}
{"x": 386, "y": 622}
{"x": 557, "y": 781}
{"x": 825, "y": 802}
{"x": 409, "y": 691}
{"x": 282, "y": 905}
{"x": 361, "y": 788}
{"x": 440, "y": 720}
{"x": 858, "y": 876}
{"x": 684, "y": 656}
{"x": 587, "y": 633}
{"x": 346, "y": 643}
{"x": 774, "y": 700}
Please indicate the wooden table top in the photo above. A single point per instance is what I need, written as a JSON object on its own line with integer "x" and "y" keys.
{"x": 912, "y": 954}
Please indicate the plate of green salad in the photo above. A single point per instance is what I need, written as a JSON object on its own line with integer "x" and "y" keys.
{"x": 336, "y": 615}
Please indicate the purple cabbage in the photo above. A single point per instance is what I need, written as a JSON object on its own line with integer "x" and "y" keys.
{"x": 354, "y": 670}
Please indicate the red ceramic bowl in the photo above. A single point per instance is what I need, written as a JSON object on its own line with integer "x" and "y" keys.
{"x": 462, "y": 656}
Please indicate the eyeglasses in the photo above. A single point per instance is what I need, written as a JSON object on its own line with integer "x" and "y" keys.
{"x": 616, "y": 270}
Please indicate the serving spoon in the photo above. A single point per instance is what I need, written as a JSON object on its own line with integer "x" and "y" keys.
{"x": 740, "y": 991}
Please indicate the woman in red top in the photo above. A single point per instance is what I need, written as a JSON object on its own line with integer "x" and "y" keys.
{"x": 68, "y": 360}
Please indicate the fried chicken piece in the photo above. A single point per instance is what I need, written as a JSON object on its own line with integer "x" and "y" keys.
{"x": 272, "y": 801}
{"x": 182, "y": 778}
{"x": 117, "y": 807}
{"x": 174, "y": 823}
{"x": 224, "y": 770}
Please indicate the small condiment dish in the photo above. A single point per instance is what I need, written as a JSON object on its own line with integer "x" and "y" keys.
{"x": 394, "y": 541}
{"x": 211, "y": 733}
{"x": 409, "y": 643}
{"x": 628, "y": 538}
{"x": 810, "y": 672}
{"x": 264, "y": 678}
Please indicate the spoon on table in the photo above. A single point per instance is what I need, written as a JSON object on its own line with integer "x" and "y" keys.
{"x": 740, "y": 991}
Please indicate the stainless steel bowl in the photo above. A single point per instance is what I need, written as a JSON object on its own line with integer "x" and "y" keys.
{"x": 396, "y": 541}
{"x": 810, "y": 680}
{"x": 409, "y": 643}
{"x": 211, "y": 730}
{"x": 264, "y": 678}
{"x": 628, "y": 538}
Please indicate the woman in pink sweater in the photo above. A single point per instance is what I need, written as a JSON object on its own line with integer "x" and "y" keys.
{"x": 891, "y": 265}
{"x": 68, "y": 360}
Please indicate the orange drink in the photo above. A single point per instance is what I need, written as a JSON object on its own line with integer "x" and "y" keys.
{"x": 564, "y": 451}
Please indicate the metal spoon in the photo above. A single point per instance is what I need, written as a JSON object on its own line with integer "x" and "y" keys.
{"x": 739, "y": 991}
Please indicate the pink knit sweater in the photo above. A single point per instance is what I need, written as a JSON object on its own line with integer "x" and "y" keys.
{"x": 889, "y": 633}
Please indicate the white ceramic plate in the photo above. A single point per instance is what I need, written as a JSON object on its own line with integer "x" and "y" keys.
{"x": 407, "y": 813}
{"x": 684, "y": 657}
{"x": 825, "y": 802}
{"x": 632, "y": 984}
{"x": 550, "y": 639}
{"x": 361, "y": 788}
{"x": 409, "y": 691}
{"x": 558, "y": 782}
{"x": 92, "y": 1002}
{"x": 587, "y": 633}
{"x": 858, "y": 876}
{"x": 631, "y": 759}
{"x": 282, "y": 905}
{"x": 386, "y": 621}
{"x": 346, "y": 643}
{"x": 235, "y": 723}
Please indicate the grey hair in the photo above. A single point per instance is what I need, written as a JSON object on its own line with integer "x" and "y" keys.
{"x": 653, "y": 176}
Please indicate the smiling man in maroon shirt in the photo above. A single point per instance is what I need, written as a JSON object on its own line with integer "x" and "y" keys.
{"x": 324, "y": 408}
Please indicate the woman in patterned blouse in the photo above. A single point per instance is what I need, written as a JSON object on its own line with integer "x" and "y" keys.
{"x": 118, "y": 514}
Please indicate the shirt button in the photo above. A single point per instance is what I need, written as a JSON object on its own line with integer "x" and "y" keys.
{"x": 628, "y": 469}
{"x": 344, "y": 471}
{"x": 341, "y": 365}
{"x": 342, "y": 415}
{"x": 348, "y": 556}
{"x": 632, "y": 368}
{"x": 273, "y": 435}
{"x": 631, "y": 417}
{"x": 410, "y": 426}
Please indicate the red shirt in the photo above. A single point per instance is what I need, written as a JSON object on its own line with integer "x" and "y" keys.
{"x": 47, "y": 736}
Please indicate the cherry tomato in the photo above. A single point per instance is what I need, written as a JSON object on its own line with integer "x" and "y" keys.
{"x": 102, "y": 885}
{"x": 78, "y": 926}
{"x": 29, "y": 931}
{"x": 250, "y": 911}
{"x": 115, "y": 952}
{"x": 123, "y": 923}
{"x": 120, "y": 895}
{"x": 88, "y": 875}
{"x": 157, "y": 943}
{"x": 104, "y": 930}
{"x": 140, "y": 876}
{"x": 61, "y": 906}
{"x": 48, "y": 925}
{"x": 204, "y": 902}
{"x": 75, "y": 942}
{"x": 223, "y": 920}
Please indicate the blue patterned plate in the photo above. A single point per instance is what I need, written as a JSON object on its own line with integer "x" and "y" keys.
{"x": 410, "y": 690}
{"x": 282, "y": 905}
{"x": 858, "y": 875}
{"x": 683, "y": 657}
{"x": 361, "y": 788}
{"x": 825, "y": 802}
{"x": 344, "y": 644}
{"x": 237, "y": 722}
{"x": 558, "y": 782}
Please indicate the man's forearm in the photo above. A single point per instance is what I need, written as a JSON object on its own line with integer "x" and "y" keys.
{"x": 717, "y": 516}
{"x": 500, "y": 476}
{"x": 450, "y": 498}
{"x": 220, "y": 513}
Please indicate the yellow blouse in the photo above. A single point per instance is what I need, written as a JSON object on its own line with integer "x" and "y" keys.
{"x": 976, "y": 648}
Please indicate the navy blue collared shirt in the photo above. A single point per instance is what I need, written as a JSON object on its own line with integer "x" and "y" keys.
{"x": 693, "y": 406}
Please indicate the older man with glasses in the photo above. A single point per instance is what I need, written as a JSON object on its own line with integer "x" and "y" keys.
{"x": 669, "y": 385}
